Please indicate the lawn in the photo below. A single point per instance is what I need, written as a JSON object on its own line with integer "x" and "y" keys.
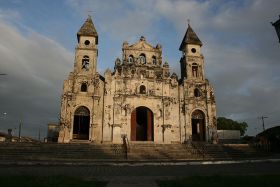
{"x": 221, "y": 181}
{"x": 52, "y": 181}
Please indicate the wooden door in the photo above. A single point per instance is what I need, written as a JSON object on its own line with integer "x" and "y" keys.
{"x": 149, "y": 125}
{"x": 133, "y": 126}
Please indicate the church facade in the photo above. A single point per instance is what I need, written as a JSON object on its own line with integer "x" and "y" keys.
{"x": 140, "y": 99}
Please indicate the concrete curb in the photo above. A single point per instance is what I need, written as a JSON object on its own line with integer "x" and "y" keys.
{"x": 133, "y": 163}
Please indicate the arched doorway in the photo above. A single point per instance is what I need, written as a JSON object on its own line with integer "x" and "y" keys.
{"x": 81, "y": 123}
{"x": 142, "y": 124}
{"x": 198, "y": 126}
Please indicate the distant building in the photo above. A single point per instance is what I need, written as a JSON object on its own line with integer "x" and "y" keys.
{"x": 276, "y": 24}
{"x": 270, "y": 138}
{"x": 140, "y": 98}
{"x": 2, "y": 137}
{"x": 229, "y": 136}
{"x": 53, "y": 132}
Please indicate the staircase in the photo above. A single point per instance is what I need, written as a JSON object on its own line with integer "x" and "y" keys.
{"x": 58, "y": 152}
{"x": 243, "y": 151}
{"x": 152, "y": 151}
{"x": 137, "y": 151}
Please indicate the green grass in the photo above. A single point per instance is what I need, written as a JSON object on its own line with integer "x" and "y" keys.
{"x": 227, "y": 181}
{"x": 53, "y": 181}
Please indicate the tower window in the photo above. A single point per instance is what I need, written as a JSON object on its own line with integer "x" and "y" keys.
{"x": 130, "y": 59}
{"x": 142, "y": 89}
{"x": 87, "y": 42}
{"x": 193, "y": 50}
{"x": 194, "y": 70}
{"x": 85, "y": 63}
{"x": 84, "y": 87}
{"x": 197, "y": 92}
{"x": 142, "y": 58}
{"x": 154, "y": 60}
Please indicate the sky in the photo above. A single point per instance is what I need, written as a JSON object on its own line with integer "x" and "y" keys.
{"x": 38, "y": 39}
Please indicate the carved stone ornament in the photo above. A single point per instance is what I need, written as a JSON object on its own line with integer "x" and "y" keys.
{"x": 117, "y": 125}
{"x": 117, "y": 62}
{"x": 158, "y": 74}
{"x": 166, "y": 126}
{"x": 166, "y": 74}
{"x": 94, "y": 125}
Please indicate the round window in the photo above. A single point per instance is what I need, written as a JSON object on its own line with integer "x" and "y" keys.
{"x": 193, "y": 50}
{"x": 87, "y": 42}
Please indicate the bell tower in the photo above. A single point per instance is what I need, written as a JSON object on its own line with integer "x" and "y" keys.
{"x": 81, "y": 89}
{"x": 86, "y": 49}
{"x": 198, "y": 101}
{"x": 192, "y": 61}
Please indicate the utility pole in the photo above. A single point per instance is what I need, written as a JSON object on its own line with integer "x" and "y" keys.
{"x": 263, "y": 117}
{"x": 39, "y": 135}
{"x": 19, "y": 131}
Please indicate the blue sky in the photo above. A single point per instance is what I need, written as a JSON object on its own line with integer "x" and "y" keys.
{"x": 38, "y": 39}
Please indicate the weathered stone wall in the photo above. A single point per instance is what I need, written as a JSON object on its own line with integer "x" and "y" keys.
{"x": 139, "y": 79}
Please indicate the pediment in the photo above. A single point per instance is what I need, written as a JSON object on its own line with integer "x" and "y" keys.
{"x": 142, "y": 45}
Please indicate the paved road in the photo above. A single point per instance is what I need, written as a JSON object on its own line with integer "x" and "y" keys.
{"x": 142, "y": 175}
{"x": 154, "y": 171}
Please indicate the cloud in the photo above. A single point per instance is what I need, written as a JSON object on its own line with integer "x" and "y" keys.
{"x": 35, "y": 66}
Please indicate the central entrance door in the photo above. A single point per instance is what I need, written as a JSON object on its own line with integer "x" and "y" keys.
{"x": 198, "y": 126}
{"x": 142, "y": 124}
{"x": 81, "y": 124}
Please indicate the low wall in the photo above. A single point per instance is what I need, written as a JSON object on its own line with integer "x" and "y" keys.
{"x": 228, "y": 134}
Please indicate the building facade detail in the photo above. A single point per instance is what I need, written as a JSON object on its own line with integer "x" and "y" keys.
{"x": 139, "y": 98}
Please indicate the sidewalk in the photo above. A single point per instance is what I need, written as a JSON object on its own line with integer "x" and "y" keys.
{"x": 135, "y": 163}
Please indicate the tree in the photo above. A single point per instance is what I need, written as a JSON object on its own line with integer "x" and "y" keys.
{"x": 229, "y": 124}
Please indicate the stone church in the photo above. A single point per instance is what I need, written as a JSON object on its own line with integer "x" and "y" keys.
{"x": 139, "y": 99}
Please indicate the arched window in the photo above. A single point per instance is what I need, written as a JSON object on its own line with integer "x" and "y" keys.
{"x": 154, "y": 59}
{"x": 197, "y": 92}
{"x": 84, "y": 87}
{"x": 142, "y": 58}
{"x": 82, "y": 111}
{"x": 85, "y": 62}
{"x": 142, "y": 89}
{"x": 197, "y": 115}
{"x": 130, "y": 59}
{"x": 194, "y": 70}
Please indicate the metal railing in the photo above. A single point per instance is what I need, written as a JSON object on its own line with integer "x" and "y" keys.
{"x": 198, "y": 148}
{"x": 126, "y": 147}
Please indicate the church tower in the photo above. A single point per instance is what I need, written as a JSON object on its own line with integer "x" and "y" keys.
{"x": 82, "y": 91}
{"x": 199, "y": 105}
{"x": 86, "y": 50}
{"x": 192, "y": 63}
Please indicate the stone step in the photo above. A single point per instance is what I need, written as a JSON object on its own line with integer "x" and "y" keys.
{"x": 137, "y": 151}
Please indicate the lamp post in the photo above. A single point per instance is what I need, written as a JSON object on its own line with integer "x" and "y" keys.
{"x": 276, "y": 24}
